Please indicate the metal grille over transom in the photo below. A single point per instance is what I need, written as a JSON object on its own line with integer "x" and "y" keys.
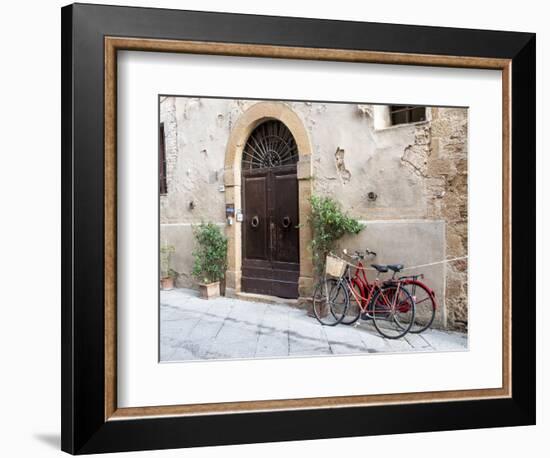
{"x": 271, "y": 144}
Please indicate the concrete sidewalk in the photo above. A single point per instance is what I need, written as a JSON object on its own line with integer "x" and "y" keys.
{"x": 224, "y": 328}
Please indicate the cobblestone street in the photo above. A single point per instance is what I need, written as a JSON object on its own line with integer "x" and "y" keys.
{"x": 224, "y": 328}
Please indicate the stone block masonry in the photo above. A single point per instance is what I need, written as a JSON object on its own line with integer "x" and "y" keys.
{"x": 447, "y": 191}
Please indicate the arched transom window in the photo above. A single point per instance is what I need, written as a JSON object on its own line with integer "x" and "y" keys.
{"x": 270, "y": 144}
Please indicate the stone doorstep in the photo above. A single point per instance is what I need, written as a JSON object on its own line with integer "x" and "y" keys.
{"x": 266, "y": 299}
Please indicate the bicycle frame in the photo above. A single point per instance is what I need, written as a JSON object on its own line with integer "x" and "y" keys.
{"x": 360, "y": 281}
{"x": 366, "y": 288}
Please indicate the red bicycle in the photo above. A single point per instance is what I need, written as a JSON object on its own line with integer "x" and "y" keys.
{"x": 423, "y": 296}
{"x": 389, "y": 305}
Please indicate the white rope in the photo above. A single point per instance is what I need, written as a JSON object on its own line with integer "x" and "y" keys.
{"x": 405, "y": 268}
{"x": 435, "y": 263}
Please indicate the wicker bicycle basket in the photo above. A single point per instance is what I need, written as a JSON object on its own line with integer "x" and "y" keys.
{"x": 335, "y": 267}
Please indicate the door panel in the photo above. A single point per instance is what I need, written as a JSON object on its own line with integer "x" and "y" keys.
{"x": 256, "y": 221}
{"x": 285, "y": 218}
{"x": 271, "y": 259}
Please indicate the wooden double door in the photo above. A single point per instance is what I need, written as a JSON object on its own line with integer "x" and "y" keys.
{"x": 270, "y": 233}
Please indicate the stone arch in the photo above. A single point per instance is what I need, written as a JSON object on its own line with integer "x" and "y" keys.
{"x": 247, "y": 122}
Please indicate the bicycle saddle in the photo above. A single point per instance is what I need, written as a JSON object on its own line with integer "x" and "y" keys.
{"x": 380, "y": 267}
{"x": 395, "y": 267}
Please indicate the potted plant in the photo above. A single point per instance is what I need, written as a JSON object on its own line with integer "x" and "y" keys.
{"x": 210, "y": 258}
{"x": 167, "y": 274}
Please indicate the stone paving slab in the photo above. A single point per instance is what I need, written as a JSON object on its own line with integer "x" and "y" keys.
{"x": 192, "y": 328}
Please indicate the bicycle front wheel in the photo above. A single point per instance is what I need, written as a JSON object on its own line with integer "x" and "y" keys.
{"x": 354, "y": 309}
{"x": 393, "y": 311}
{"x": 330, "y": 302}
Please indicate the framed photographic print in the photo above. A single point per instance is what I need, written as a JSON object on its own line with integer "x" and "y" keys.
{"x": 283, "y": 228}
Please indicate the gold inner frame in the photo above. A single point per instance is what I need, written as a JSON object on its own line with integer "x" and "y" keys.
{"x": 112, "y": 45}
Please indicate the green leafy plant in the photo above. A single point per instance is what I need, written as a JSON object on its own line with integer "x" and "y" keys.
{"x": 210, "y": 253}
{"x": 328, "y": 223}
{"x": 166, "y": 252}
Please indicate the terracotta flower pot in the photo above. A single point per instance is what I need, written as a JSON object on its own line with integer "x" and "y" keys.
{"x": 167, "y": 283}
{"x": 209, "y": 290}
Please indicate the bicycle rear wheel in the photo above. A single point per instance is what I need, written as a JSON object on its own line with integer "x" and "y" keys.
{"x": 425, "y": 306}
{"x": 330, "y": 302}
{"x": 393, "y": 311}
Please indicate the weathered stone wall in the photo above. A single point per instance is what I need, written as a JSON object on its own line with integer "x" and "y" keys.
{"x": 447, "y": 186}
{"x": 417, "y": 173}
{"x": 368, "y": 159}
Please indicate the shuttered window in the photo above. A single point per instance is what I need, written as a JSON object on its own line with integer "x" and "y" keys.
{"x": 162, "y": 161}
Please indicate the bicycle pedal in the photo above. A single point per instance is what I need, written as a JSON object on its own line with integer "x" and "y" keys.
{"x": 365, "y": 317}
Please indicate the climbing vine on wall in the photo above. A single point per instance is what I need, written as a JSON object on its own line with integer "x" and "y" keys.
{"x": 329, "y": 223}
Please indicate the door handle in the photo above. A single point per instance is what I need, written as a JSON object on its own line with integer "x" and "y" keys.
{"x": 286, "y": 222}
{"x": 255, "y": 221}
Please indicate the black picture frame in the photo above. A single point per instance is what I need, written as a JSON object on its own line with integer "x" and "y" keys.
{"x": 84, "y": 427}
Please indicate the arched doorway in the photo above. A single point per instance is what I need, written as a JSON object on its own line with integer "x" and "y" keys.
{"x": 245, "y": 125}
{"x": 270, "y": 238}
